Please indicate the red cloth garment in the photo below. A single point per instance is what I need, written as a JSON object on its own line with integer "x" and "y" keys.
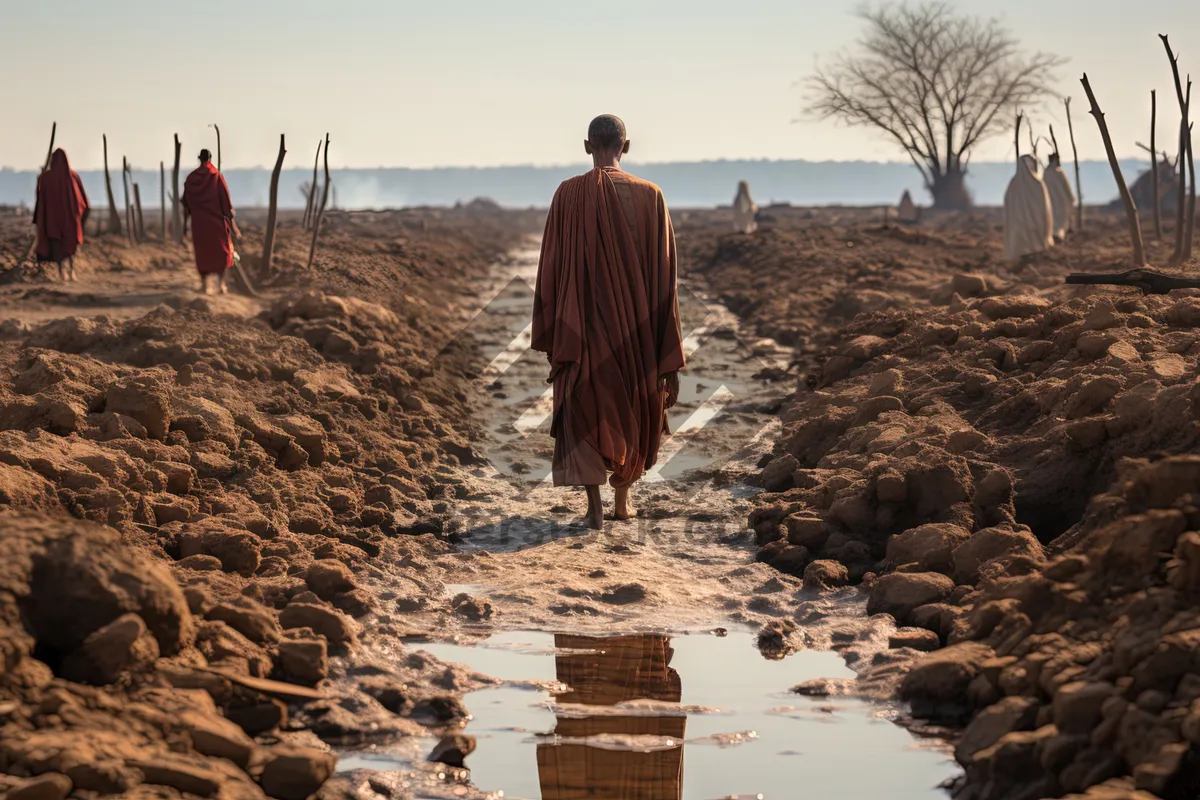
{"x": 206, "y": 197}
{"x": 606, "y": 313}
{"x": 60, "y": 210}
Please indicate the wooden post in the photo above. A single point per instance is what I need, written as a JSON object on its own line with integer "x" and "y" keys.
{"x": 269, "y": 239}
{"x": 130, "y": 226}
{"x": 1154, "y": 167}
{"x": 1135, "y": 226}
{"x": 1017, "y": 138}
{"x": 114, "y": 218}
{"x": 217, "y": 128}
{"x": 1191, "y": 203}
{"x": 1181, "y": 203}
{"x": 319, "y": 212}
{"x": 162, "y": 198}
{"x": 50, "y": 152}
{"x": 1078, "y": 185}
{"x": 176, "y": 216}
{"x": 137, "y": 207}
{"x": 312, "y": 191}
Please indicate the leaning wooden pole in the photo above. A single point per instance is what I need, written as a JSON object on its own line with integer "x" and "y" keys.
{"x": 176, "y": 211}
{"x": 1191, "y": 203}
{"x": 50, "y": 151}
{"x": 319, "y": 211}
{"x": 137, "y": 207}
{"x": 114, "y": 217}
{"x": 130, "y": 225}
{"x": 1135, "y": 226}
{"x": 1075, "y": 155}
{"x": 309, "y": 209}
{"x": 269, "y": 239}
{"x": 162, "y": 198}
{"x": 1154, "y": 167}
{"x": 217, "y": 128}
{"x": 1181, "y": 202}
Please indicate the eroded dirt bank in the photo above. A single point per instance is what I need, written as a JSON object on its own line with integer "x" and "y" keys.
{"x": 199, "y": 497}
{"x": 1005, "y": 465}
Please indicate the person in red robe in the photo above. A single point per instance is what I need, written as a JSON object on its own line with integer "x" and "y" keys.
{"x": 60, "y": 212}
{"x": 206, "y": 203}
{"x": 606, "y": 313}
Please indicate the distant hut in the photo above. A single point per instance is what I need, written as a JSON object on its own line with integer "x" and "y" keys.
{"x": 1062, "y": 198}
{"x": 907, "y": 212}
{"x": 1143, "y": 189}
{"x": 1028, "y": 217}
{"x": 744, "y": 210}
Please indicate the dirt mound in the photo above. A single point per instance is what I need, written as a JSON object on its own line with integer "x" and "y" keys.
{"x": 1009, "y": 471}
{"x": 245, "y": 486}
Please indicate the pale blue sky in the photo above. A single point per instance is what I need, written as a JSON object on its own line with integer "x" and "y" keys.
{"x": 473, "y": 82}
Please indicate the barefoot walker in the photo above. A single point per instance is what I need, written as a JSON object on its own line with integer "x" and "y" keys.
{"x": 60, "y": 212}
{"x": 206, "y": 202}
{"x": 606, "y": 313}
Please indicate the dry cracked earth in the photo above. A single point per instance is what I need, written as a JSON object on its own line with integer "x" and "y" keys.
{"x": 225, "y": 517}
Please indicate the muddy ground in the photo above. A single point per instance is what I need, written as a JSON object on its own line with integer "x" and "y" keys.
{"x": 228, "y": 513}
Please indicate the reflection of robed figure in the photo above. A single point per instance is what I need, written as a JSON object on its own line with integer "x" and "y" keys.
{"x": 614, "y": 670}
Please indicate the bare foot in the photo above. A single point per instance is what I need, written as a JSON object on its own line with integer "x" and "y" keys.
{"x": 624, "y": 510}
{"x": 224, "y": 287}
{"x": 594, "y": 518}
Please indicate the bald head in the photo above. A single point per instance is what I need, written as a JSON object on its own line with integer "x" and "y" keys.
{"x": 606, "y": 141}
{"x": 606, "y": 132}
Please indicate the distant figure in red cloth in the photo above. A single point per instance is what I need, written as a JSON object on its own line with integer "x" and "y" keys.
{"x": 60, "y": 212}
{"x": 206, "y": 201}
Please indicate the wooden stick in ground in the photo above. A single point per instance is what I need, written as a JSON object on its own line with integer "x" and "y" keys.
{"x": 319, "y": 212}
{"x": 1078, "y": 185}
{"x": 130, "y": 225}
{"x": 269, "y": 239}
{"x": 162, "y": 198}
{"x": 1181, "y": 203}
{"x": 1191, "y": 203}
{"x": 1154, "y": 167}
{"x": 309, "y": 209}
{"x": 114, "y": 218}
{"x": 137, "y": 206}
{"x": 176, "y": 216}
{"x": 1135, "y": 226}
{"x": 1017, "y": 138}
{"x": 217, "y": 128}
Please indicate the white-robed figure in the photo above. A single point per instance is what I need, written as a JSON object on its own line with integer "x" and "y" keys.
{"x": 1062, "y": 198}
{"x": 744, "y": 210}
{"x": 1028, "y": 217}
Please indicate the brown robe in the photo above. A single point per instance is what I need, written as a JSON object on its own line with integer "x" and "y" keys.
{"x": 606, "y": 313}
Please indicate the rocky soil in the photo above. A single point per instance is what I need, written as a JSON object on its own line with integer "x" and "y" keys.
{"x": 200, "y": 501}
{"x": 1004, "y": 465}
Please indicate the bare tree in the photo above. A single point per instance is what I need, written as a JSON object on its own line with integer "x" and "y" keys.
{"x": 936, "y": 81}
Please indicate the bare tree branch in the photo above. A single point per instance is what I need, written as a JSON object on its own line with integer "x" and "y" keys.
{"x": 937, "y": 81}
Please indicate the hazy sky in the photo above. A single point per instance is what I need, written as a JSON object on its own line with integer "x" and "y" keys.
{"x": 486, "y": 82}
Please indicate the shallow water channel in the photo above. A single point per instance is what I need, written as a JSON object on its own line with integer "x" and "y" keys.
{"x": 673, "y": 717}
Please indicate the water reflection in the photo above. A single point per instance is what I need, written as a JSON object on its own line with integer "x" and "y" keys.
{"x": 683, "y": 717}
{"x": 614, "y": 755}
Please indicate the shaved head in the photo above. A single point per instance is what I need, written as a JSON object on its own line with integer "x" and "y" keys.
{"x": 606, "y": 133}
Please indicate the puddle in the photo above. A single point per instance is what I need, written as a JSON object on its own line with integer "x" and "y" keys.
{"x": 687, "y": 717}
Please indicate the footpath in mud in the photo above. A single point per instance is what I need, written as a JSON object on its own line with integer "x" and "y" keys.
{"x": 656, "y": 626}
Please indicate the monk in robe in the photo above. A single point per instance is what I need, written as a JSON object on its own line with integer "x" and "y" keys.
{"x": 606, "y": 313}
{"x": 745, "y": 212}
{"x": 206, "y": 202}
{"x": 60, "y": 212}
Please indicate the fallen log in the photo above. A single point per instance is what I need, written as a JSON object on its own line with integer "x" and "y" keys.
{"x": 1148, "y": 280}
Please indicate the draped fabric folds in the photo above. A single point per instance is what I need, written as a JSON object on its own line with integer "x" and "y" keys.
{"x": 60, "y": 210}
{"x": 206, "y": 197}
{"x": 606, "y": 313}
